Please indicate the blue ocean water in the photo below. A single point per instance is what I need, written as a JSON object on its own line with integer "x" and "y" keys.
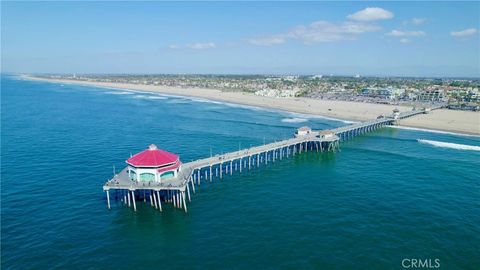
{"x": 383, "y": 198}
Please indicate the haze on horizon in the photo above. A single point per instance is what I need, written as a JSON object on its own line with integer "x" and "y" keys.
{"x": 340, "y": 38}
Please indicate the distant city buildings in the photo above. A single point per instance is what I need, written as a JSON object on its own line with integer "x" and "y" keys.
{"x": 456, "y": 93}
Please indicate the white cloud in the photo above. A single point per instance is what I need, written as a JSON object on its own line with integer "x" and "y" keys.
{"x": 371, "y": 14}
{"x": 464, "y": 33}
{"x": 414, "y": 21}
{"x": 417, "y": 21}
{"x": 267, "y": 41}
{"x": 194, "y": 46}
{"x": 201, "y": 46}
{"x": 401, "y": 33}
{"x": 404, "y": 40}
{"x": 323, "y": 31}
{"x": 319, "y": 31}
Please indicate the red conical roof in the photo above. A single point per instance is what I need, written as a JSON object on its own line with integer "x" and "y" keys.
{"x": 152, "y": 157}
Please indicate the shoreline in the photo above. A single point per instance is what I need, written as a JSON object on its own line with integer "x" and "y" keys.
{"x": 460, "y": 122}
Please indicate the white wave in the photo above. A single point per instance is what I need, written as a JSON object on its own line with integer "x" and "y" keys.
{"x": 450, "y": 145}
{"x": 248, "y": 107}
{"x": 119, "y": 93}
{"x": 294, "y": 120}
{"x": 177, "y": 101}
{"x": 315, "y": 116}
{"x": 140, "y": 97}
{"x": 156, "y": 97}
{"x": 435, "y": 131}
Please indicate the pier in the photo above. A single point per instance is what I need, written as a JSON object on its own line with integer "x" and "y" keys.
{"x": 177, "y": 189}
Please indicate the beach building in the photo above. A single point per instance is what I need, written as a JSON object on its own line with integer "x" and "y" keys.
{"x": 153, "y": 165}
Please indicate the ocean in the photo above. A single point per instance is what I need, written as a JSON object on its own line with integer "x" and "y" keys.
{"x": 385, "y": 197}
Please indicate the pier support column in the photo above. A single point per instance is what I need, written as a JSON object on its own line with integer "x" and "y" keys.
{"x": 128, "y": 197}
{"x": 258, "y": 160}
{"x": 174, "y": 198}
{"x": 210, "y": 173}
{"x": 159, "y": 201}
{"x": 179, "y": 201}
{"x": 108, "y": 199}
{"x": 133, "y": 201}
{"x": 241, "y": 164}
{"x": 155, "y": 200}
{"x": 221, "y": 168}
{"x": 184, "y": 204}
{"x": 151, "y": 201}
{"x": 198, "y": 177}
{"x": 193, "y": 185}
{"x": 188, "y": 193}
{"x": 231, "y": 164}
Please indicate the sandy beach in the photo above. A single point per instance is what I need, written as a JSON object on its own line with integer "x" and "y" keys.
{"x": 443, "y": 120}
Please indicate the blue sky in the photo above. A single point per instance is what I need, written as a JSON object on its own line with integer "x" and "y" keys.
{"x": 341, "y": 38}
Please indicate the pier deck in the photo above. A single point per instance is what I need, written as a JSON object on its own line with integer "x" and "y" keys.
{"x": 175, "y": 190}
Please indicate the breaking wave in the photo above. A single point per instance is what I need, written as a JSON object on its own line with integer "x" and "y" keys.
{"x": 434, "y": 131}
{"x": 294, "y": 120}
{"x": 119, "y": 93}
{"x": 450, "y": 145}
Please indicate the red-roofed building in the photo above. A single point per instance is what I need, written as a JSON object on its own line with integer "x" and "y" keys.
{"x": 153, "y": 165}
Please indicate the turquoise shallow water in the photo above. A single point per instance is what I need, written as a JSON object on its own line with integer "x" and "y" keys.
{"x": 383, "y": 198}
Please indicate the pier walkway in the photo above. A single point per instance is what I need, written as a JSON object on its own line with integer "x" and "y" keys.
{"x": 177, "y": 190}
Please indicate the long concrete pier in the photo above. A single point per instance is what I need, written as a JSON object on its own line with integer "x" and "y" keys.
{"x": 178, "y": 191}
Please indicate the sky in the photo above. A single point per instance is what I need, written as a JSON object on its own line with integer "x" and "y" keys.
{"x": 439, "y": 39}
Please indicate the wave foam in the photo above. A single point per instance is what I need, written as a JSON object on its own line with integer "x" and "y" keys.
{"x": 315, "y": 116}
{"x": 450, "y": 145}
{"x": 294, "y": 120}
{"x": 434, "y": 131}
{"x": 156, "y": 97}
{"x": 119, "y": 93}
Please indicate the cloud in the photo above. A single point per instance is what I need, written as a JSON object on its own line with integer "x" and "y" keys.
{"x": 202, "y": 46}
{"x": 464, "y": 33}
{"x": 323, "y": 31}
{"x": 194, "y": 46}
{"x": 371, "y": 14}
{"x": 414, "y": 21}
{"x": 401, "y": 33}
{"x": 404, "y": 40}
{"x": 319, "y": 31}
{"x": 417, "y": 21}
{"x": 267, "y": 41}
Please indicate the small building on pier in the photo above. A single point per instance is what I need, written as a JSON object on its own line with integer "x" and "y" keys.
{"x": 396, "y": 113}
{"x": 327, "y": 135}
{"x": 153, "y": 165}
{"x": 303, "y": 131}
